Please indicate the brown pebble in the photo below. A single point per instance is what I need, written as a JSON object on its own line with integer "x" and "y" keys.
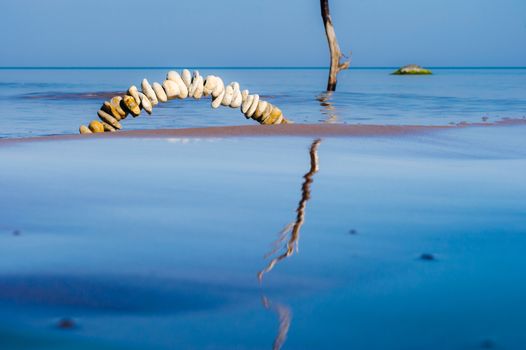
{"x": 131, "y": 105}
{"x": 116, "y": 103}
{"x": 96, "y": 126}
{"x": 108, "y": 108}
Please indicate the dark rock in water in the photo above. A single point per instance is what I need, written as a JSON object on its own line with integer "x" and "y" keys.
{"x": 353, "y": 232}
{"x": 66, "y": 323}
{"x": 427, "y": 257}
{"x": 412, "y": 69}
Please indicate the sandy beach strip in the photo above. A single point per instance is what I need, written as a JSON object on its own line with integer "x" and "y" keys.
{"x": 310, "y": 130}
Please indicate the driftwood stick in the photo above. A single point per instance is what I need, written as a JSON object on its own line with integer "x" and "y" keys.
{"x": 336, "y": 55}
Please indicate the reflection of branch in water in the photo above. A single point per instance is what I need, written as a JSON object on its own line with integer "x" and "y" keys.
{"x": 328, "y": 108}
{"x": 295, "y": 227}
{"x": 285, "y": 317}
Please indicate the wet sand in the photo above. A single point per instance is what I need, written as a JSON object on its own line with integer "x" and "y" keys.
{"x": 417, "y": 237}
{"x": 308, "y": 130}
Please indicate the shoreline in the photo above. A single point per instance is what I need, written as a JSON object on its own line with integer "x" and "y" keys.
{"x": 297, "y": 130}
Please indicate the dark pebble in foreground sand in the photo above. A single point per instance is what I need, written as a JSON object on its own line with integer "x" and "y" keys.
{"x": 66, "y": 323}
{"x": 427, "y": 257}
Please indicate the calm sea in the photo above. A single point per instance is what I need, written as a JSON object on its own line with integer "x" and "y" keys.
{"x": 56, "y": 101}
{"x": 406, "y": 243}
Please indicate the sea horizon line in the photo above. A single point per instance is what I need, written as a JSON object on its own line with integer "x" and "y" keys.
{"x": 242, "y": 68}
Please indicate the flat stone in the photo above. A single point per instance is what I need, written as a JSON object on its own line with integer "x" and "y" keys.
{"x": 108, "y": 127}
{"x": 96, "y": 126}
{"x": 262, "y": 105}
{"x": 229, "y": 95}
{"x": 244, "y": 95}
{"x": 116, "y": 103}
{"x": 237, "y": 100}
{"x": 159, "y": 92}
{"x": 131, "y": 105}
{"x": 172, "y": 75}
{"x": 209, "y": 85}
{"x": 148, "y": 91}
{"x": 109, "y": 119}
{"x": 187, "y": 77}
{"x": 171, "y": 89}
{"x": 253, "y": 107}
{"x": 246, "y": 104}
{"x": 145, "y": 103}
{"x": 193, "y": 85}
{"x": 266, "y": 113}
{"x": 85, "y": 130}
{"x": 134, "y": 92}
{"x": 217, "y": 101}
{"x": 199, "y": 88}
{"x": 109, "y": 108}
{"x": 175, "y": 77}
{"x": 220, "y": 87}
{"x": 275, "y": 114}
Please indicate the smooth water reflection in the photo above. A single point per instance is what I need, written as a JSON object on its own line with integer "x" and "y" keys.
{"x": 166, "y": 236}
{"x": 293, "y": 230}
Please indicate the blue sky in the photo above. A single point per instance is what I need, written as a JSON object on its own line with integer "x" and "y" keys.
{"x": 261, "y": 33}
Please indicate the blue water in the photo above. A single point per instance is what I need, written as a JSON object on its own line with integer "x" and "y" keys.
{"x": 405, "y": 242}
{"x": 56, "y": 101}
{"x": 156, "y": 243}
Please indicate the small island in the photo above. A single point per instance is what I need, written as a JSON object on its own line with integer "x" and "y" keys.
{"x": 412, "y": 69}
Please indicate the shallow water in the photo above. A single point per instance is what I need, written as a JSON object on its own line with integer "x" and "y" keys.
{"x": 44, "y": 102}
{"x": 157, "y": 243}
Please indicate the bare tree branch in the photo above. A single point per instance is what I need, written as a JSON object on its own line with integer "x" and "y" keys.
{"x": 336, "y": 55}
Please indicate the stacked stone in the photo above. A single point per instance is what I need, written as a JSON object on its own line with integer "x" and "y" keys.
{"x": 182, "y": 86}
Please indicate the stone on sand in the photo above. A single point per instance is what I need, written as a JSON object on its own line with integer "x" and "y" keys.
{"x": 96, "y": 126}
{"x": 85, "y": 130}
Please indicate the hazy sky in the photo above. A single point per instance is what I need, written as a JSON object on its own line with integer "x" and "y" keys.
{"x": 260, "y": 33}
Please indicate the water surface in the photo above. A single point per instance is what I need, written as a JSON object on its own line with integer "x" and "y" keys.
{"x": 405, "y": 243}
{"x": 57, "y": 101}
